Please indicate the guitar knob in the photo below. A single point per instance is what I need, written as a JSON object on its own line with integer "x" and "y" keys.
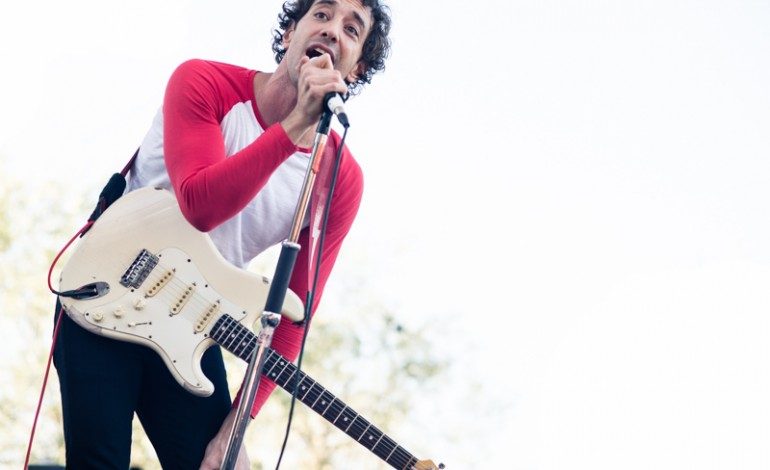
{"x": 97, "y": 316}
{"x": 118, "y": 312}
{"x": 139, "y": 303}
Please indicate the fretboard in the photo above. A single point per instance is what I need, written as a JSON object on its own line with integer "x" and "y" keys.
{"x": 240, "y": 341}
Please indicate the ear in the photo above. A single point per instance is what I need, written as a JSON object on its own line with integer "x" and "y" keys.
{"x": 287, "y": 36}
{"x": 357, "y": 71}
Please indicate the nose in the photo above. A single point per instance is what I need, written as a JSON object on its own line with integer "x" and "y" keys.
{"x": 329, "y": 35}
{"x": 331, "y": 31}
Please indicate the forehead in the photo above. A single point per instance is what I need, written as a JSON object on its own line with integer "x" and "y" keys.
{"x": 356, "y": 8}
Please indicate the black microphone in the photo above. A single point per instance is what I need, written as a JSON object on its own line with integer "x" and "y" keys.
{"x": 333, "y": 103}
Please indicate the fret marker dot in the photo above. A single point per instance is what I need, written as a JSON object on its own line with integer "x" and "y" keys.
{"x": 345, "y": 418}
{"x": 323, "y": 402}
{"x": 303, "y": 387}
{"x": 370, "y": 438}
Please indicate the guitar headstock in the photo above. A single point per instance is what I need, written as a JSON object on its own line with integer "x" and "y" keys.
{"x": 427, "y": 465}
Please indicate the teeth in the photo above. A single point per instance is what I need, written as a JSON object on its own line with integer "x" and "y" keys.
{"x": 316, "y": 52}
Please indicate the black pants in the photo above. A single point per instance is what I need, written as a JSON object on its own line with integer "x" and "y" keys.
{"x": 104, "y": 381}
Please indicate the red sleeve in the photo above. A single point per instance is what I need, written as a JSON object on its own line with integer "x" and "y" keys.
{"x": 345, "y": 202}
{"x": 211, "y": 187}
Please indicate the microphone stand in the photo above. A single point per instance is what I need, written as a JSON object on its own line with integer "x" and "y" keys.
{"x": 271, "y": 315}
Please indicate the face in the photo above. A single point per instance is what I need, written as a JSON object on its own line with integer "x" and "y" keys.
{"x": 337, "y": 27}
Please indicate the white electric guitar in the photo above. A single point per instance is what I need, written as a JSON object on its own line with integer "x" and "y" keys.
{"x": 149, "y": 277}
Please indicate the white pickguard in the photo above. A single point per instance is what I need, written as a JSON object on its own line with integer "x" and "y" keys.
{"x": 150, "y": 219}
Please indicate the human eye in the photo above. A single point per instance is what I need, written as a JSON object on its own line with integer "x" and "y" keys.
{"x": 321, "y": 15}
{"x": 352, "y": 30}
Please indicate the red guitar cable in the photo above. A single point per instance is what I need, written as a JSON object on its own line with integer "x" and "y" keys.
{"x": 53, "y": 342}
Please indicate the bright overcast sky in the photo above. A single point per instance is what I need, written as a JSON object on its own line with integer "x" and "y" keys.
{"x": 579, "y": 187}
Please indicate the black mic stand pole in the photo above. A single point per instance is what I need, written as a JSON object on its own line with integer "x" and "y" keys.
{"x": 271, "y": 315}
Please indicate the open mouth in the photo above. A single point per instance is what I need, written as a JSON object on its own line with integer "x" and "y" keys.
{"x": 318, "y": 51}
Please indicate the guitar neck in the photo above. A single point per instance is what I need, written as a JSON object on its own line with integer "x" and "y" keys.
{"x": 240, "y": 341}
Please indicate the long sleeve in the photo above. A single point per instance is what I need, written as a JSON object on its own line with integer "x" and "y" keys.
{"x": 287, "y": 338}
{"x": 210, "y": 186}
{"x": 213, "y": 185}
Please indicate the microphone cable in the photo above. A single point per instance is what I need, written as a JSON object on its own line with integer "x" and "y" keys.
{"x": 311, "y": 291}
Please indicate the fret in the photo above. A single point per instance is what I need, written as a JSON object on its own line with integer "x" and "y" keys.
{"x": 232, "y": 337}
{"x": 402, "y": 459}
{"x": 387, "y": 459}
{"x": 323, "y": 413}
{"x": 270, "y": 361}
{"x": 225, "y": 332}
{"x": 338, "y": 416}
{"x": 382, "y": 434}
{"x": 319, "y": 397}
{"x": 302, "y": 387}
{"x": 285, "y": 381}
{"x": 333, "y": 411}
{"x": 357, "y": 431}
{"x": 221, "y": 331}
{"x": 352, "y": 420}
{"x": 246, "y": 340}
{"x": 297, "y": 382}
{"x": 264, "y": 367}
{"x": 327, "y": 400}
{"x": 217, "y": 328}
{"x": 410, "y": 464}
{"x": 373, "y": 437}
{"x": 313, "y": 394}
{"x": 384, "y": 447}
{"x": 364, "y": 432}
{"x": 242, "y": 342}
{"x": 246, "y": 356}
{"x": 273, "y": 375}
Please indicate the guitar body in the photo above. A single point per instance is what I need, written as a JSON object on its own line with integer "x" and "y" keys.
{"x": 152, "y": 262}
{"x": 143, "y": 274}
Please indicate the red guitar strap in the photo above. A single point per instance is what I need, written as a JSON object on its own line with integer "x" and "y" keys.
{"x": 318, "y": 200}
{"x": 129, "y": 165}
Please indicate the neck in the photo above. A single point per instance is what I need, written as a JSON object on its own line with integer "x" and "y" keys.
{"x": 276, "y": 94}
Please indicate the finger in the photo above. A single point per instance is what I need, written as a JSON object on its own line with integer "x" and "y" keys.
{"x": 323, "y": 61}
{"x": 322, "y": 89}
{"x": 322, "y": 77}
{"x": 302, "y": 64}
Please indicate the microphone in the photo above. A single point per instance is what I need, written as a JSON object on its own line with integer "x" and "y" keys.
{"x": 333, "y": 103}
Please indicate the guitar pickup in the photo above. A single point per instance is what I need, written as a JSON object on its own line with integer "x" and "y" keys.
{"x": 182, "y": 300}
{"x": 205, "y": 319}
{"x": 155, "y": 288}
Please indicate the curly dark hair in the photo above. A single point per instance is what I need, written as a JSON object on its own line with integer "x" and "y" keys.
{"x": 376, "y": 47}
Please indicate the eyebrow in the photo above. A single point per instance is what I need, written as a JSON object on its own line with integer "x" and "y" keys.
{"x": 359, "y": 19}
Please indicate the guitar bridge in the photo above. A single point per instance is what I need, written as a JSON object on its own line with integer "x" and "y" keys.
{"x": 135, "y": 275}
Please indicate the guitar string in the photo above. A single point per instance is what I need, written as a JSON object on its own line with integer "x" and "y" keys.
{"x": 175, "y": 287}
{"x": 146, "y": 212}
{"x": 357, "y": 427}
{"x": 180, "y": 285}
{"x": 314, "y": 393}
{"x": 172, "y": 291}
{"x": 384, "y": 447}
{"x": 141, "y": 213}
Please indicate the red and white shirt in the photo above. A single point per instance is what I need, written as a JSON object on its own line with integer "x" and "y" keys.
{"x": 239, "y": 179}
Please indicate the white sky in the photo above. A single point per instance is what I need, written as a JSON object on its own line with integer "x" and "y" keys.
{"x": 579, "y": 188}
